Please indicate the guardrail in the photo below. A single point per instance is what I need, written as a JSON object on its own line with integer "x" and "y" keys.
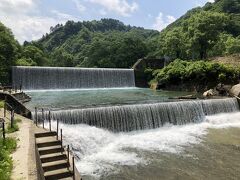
{"x": 10, "y": 108}
{"x": 15, "y": 104}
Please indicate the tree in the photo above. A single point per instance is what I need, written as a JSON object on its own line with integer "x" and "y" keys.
{"x": 203, "y": 30}
{"x": 26, "y": 62}
{"x": 232, "y": 45}
{"x": 9, "y": 51}
{"x": 35, "y": 54}
{"x": 62, "y": 58}
{"x": 174, "y": 44}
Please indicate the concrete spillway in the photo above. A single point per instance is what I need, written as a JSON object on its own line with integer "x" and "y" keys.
{"x": 144, "y": 116}
{"x": 33, "y": 78}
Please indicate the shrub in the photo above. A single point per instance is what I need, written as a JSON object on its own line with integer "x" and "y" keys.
{"x": 15, "y": 126}
{"x": 196, "y": 72}
{"x": 6, "y": 163}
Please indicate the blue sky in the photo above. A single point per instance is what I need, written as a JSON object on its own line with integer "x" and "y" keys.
{"x": 30, "y": 19}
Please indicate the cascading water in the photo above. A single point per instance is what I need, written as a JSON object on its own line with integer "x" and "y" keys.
{"x": 32, "y": 78}
{"x": 145, "y": 116}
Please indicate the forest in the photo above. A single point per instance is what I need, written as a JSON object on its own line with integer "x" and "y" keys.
{"x": 202, "y": 33}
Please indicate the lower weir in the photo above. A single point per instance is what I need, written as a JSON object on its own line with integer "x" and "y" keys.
{"x": 144, "y": 116}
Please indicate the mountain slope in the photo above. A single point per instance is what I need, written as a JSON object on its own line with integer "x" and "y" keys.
{"x": 104, "y": 43}
{"x": 212, "y": 30}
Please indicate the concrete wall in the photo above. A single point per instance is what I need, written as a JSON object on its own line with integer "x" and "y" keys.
{"x": 141, "y": 80}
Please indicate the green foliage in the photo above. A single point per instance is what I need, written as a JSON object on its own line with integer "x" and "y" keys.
{"x": 197, "y": 72}
{"x": 9, "y": 49}
{"x": 25, "y": 62}
{"x": 1, "y": 104}
{"x": 31, "y": 56}
{"x": 6, "y": 163}
{"x": 104, "y": 43}
{"x": 232, "y": 45}
{"x": 15, "y": 126}
{"x": 202, "y": 32}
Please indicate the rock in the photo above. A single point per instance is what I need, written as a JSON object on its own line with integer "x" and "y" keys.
{"x": 235, "y": 90}
{"x": 222, "y": 89}
{"x": 209, "y": 93}
{"x": 154, "y": 86}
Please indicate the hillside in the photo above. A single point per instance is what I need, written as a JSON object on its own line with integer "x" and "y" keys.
{"x": 104, "y": 43}
{"x": 233, "y": 60}
{"x": 212, "y": 30}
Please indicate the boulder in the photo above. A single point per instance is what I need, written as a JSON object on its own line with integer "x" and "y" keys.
{"x": 223, "y": 90}
{"x": 209, "y": 93}
{"x": 235, "y": 90}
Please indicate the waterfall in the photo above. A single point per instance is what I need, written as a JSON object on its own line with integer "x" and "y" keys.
{"x": 31, "y": 78}
{"x": 145, "y": 116}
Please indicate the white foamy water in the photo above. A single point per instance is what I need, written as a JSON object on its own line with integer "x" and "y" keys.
{"x": 100, "y": 151}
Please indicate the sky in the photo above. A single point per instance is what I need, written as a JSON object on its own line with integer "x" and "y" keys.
{"x": 30, "y": 19}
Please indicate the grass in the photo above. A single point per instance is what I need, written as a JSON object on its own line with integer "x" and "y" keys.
{"x": 7, "y": 147}
{"x": 15, "y": 126}
{"x": 1, "y": 104}
{"x": 6, "y": 163}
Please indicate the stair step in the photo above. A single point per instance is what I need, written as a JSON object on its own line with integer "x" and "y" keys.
{"x": 51, "y": 151}
{"x": 47, "y": 144}
{"x": 57, "y": 166}
{"x": 46, "y": 134}
{"x": 53, "y": 158}
{"x": 59, "y": 175}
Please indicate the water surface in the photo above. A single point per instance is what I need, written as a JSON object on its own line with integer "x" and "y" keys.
{"x": 68, "y": 99}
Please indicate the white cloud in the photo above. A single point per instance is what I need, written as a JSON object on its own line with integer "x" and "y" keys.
{"x": 162, "y": 21}
{"x": 25, "y": 21}
{"x": 211, "y": 1}
{"x": 16, "y": 6}
{"x": 63, "y": 16}
{"x": 121, "y": 7}
{"x": 81, "y": 8}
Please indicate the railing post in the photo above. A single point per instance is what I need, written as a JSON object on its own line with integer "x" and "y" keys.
{"x": 61, "y": 138}
{"x": 68, "y": 154}
{"x": 57, "y": 127}
{"x": 12, "y": 118}
{"x": 43, "y": 117}
{"x": 49, "y": 119}
{"x": 36, "y": 116}
{"x": 73, "y": 166}
{"x": 5, "y": 109}
{"x": 3, "y": 129}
